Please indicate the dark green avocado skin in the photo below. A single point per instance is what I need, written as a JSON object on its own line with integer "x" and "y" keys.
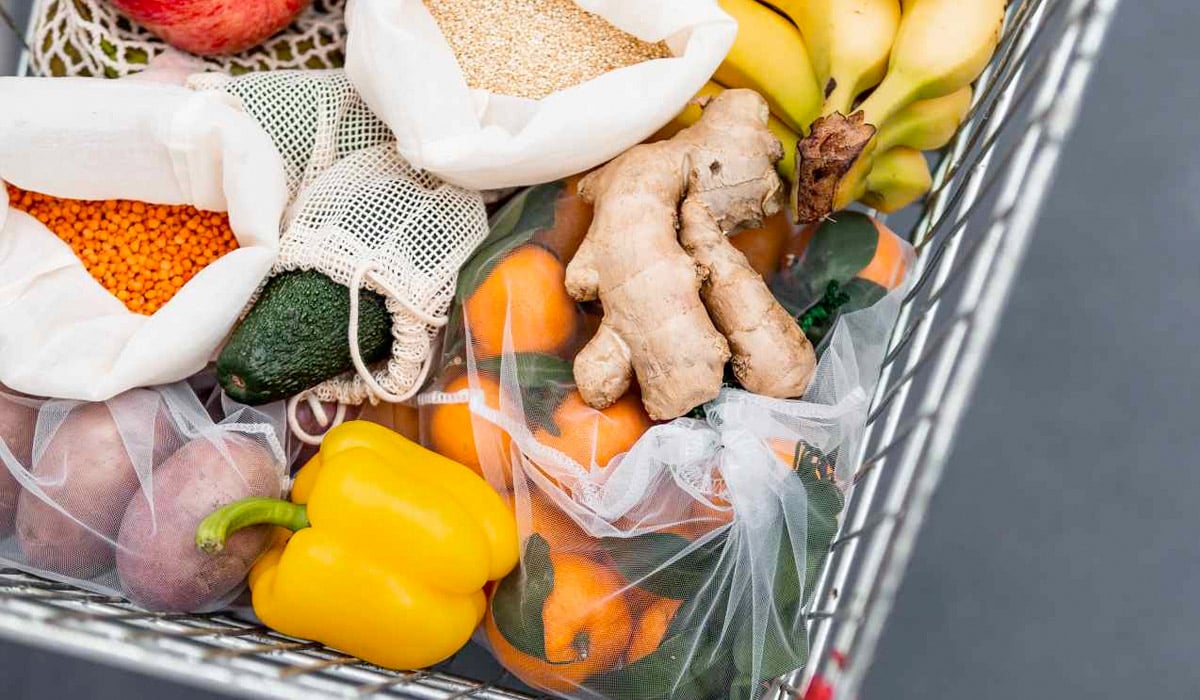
{"x": 295, "y": 338}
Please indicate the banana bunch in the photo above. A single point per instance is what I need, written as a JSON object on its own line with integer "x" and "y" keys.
{"x": 858, "y": 89}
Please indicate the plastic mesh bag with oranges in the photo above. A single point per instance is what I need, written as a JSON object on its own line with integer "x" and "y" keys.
{"x": 670, "y": 560}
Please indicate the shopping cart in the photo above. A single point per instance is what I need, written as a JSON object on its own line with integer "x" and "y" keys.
{"x": 970, "y": 239}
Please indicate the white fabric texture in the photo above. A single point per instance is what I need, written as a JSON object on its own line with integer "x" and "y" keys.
{"x": 362, "y": 216}
{"x": 66, "y": 336}
{"x": 406, "y": 72}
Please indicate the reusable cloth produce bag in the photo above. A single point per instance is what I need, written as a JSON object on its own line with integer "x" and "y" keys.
{"x": 363, "y": 216}
{"x": 66, "y": 336}
{"x": 107, "y": 496}
{"x": 674, "y": 560}
{"x": 398, "y": 59}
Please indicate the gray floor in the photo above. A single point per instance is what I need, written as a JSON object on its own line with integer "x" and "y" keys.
{"x": 1060, "y": 559}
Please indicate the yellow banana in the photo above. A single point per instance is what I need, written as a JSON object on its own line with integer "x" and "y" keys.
{"x": 691, "y": 114}
{"x": 900, "y": 177}
{"x": 941, "y": 47}
{"x": 926, "y": 125}
{"x": 770, "y": 58}
{"x": 848, "y": 42}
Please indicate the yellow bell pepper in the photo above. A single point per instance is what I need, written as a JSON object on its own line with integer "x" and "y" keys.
{"x": 392, "y": 548}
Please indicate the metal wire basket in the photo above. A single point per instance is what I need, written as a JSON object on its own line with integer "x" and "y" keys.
{"x": 970, "y": 237}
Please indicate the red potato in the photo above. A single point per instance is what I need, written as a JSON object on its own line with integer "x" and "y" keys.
{"x": 86, "y": 470}
{"x": 17, "y": 424}
{"x": 157, "y": 559}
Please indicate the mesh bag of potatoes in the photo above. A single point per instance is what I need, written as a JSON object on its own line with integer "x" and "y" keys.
{"x": 107, "y": 496}
{"x": 666, "y": 558}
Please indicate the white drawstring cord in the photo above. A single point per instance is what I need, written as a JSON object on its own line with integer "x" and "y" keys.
{"x": 364, "y": 373}
{"x": 319, "y": 413}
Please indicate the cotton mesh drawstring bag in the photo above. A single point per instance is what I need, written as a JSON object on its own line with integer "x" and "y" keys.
{"x": 667, "y": 561}
{"x": 366, "y": 218}
{"x": 107, "y": 495}
{"x": 91, "y": 38}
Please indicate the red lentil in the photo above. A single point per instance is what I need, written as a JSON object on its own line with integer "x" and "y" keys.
{"x": 141, "y": 253}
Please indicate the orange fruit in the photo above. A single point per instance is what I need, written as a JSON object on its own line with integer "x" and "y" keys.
{"x": 557, "y": 528}
{"x": 572, "y": 218}
{"x": 452, "y": 432}
{"x": 651, "y": 628}
{"x": 795, "y": 246}
{"x": 886, "y": 269}
{"x": 764, "y": 246}
{"x": 527, "y": 289}
{"x": 592, "y": 437}
{"x": 587, "y": 625}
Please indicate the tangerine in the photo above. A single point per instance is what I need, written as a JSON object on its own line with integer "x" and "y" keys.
{"x": 592, "y": 437}
{"x": 558, "y": 529}
{"x": 764, "y": 246}
{"x": 527, "y": 292}
{"x": 586, "y": 625}
{"x": 572, "y": 218}
{"x": 651, "y": 628}
{"x": 887, "y": 267}
{"x": 453, "y": 431}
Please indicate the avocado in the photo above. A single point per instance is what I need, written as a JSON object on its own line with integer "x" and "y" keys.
{"x": 294, "y": 338}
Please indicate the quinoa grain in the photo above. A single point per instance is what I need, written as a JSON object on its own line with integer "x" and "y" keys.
{"x": 531, "y": 48}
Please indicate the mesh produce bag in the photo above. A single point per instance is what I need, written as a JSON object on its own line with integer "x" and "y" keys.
{"x": 107, "y": 496}
{"x": 363, "y": 216}
{"x": 90, "y": 38}
{"x": 658, "y": 561}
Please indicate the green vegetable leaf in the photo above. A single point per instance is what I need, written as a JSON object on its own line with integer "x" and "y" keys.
{"x": 825, "y": 502}
{"x": 515, "y": 223}
{"x": 840, "y": 248}
{"x": 535, "y": 370}
{"x": 520, "y": 598}
{"x": 680, "y": 669}
{"x": 862, "y": 294}
{"x": 643, "y": 561}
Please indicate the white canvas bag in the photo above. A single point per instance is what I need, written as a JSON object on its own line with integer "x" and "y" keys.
{"x": 62, "y": 334}
{"x": 398, "y": 59}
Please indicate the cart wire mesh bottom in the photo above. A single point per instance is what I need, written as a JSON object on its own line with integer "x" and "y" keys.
{"x": 971, "y": 237}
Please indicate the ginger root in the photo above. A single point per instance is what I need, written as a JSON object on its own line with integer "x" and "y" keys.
{"x": 673, "y": 287}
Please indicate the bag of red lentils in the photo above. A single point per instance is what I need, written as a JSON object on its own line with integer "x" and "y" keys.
{"x": 136, "y": 221}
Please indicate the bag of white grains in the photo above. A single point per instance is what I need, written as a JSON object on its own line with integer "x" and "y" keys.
{"x": 502, "y": 93}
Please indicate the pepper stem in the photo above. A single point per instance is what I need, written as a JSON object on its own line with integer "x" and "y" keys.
{"x": 212, "y": 532}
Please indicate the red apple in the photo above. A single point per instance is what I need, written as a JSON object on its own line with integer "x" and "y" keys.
{"x": 212, "y": 27}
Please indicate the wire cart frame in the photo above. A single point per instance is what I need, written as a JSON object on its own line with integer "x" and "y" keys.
{"x": 971, "y": 237}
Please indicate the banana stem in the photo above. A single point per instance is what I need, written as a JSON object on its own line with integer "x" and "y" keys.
{"x": 841, "y": 100}
{"x": 886, "y": 101}
{"x": 214, "y": 530}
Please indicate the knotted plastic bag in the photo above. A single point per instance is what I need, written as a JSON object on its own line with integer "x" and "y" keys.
{"x": 363, "y": 216}
{"x": 65, "y": 335}
{"x": 674, "y": 560}
{"x": 107, "y": 495}
{"x": 400, "y": 62}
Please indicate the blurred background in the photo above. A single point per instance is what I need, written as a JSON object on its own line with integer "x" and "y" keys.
{"x": 1059, "y": 559}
